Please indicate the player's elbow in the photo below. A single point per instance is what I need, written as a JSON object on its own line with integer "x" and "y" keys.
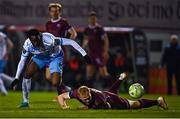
{"x": 74, "y": 35}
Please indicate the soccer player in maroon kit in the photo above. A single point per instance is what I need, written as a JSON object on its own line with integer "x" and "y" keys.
{"x": 59, "y": 27}
{"x": 96, "y": 99}
{"x": 98, "y": 45}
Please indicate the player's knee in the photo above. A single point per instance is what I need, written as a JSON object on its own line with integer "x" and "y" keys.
{"x": 27, "y": 75}
{"x": 135, "y": 105}
{"x": 103, "y": 72}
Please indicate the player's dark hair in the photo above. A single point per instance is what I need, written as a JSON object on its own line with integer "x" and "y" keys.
{"x": 92, "y": 13}
{"x": 33, "y": 32}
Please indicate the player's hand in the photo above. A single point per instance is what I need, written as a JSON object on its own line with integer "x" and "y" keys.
{"x": 87, "y": 59}
{"x": 14, "y": 84}
{"x": 66, "y": 107}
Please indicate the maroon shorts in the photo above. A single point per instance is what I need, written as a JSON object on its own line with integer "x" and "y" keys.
{"x": 117, "y": 102}
{"x": 97, "y": 59}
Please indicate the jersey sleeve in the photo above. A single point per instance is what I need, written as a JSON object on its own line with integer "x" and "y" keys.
{"x": 85, "y": 31}
{"x": 22, "y": 61}
{"x": 73, "y": 94}
{"x": 25, "y": 51}
{"x": 102, "y": 32}
{"x": 65, "y": 41}
{"x": 67, "y": 25}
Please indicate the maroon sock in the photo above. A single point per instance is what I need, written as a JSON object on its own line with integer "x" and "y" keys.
{"x": 145, "y": 103}
{"x": 115, "y": 87}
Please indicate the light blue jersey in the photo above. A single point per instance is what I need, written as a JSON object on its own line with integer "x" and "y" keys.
{"x": 52, "y": 47}
{"x": 51, "y": 55}
{"x": 3, "y": 51}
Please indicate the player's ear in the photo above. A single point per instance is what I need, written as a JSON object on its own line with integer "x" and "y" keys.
{"x": 78, "y": 94}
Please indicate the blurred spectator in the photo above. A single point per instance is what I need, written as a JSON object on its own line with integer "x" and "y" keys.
{"x": 98, "y": 47}
{"x": 171, "y": 59}
{"x": 5, "y": 48}
{"x": 120, "y": 62}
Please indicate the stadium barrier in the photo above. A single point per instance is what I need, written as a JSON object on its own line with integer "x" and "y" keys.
{"x": 158, "y": 81}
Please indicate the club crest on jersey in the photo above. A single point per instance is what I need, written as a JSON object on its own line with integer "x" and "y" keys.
{"x": 58, "y": 25}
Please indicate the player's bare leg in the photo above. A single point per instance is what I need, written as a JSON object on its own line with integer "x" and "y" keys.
{"x": 48, "y": 74}
{"x": 26, "y": 84}
{"x": 55, "y": 79}
{"x": 103, "y": 71}
{"x": 105, "y": 76}
{"x": 90, "y": 75}
{"x": 57, "y": 82}
{"x": 2, "y": 87}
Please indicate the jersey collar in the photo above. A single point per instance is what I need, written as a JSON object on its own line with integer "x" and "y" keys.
{"x": 92, "y": 26}
{"x": 56, "y": 20}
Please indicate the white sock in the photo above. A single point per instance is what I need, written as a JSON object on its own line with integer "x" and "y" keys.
{"x": 2, "y": 87}
{"x": 26, "y": 86}
{"x": 6, "y": 78}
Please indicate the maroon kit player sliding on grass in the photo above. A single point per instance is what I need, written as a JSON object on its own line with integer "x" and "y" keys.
{"x": 96, "y": 99}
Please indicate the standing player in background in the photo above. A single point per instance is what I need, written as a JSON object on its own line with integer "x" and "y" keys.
{"x": 98, "y": 47}
{"x": 5, "y": 48}
{"x": 59, "y": 27}
{"x": 47, "y": 51}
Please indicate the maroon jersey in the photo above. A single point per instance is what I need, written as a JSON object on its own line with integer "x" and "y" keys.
{"x": 101, "y": 99}
{"x": 95, "y": 38}
{"x": 95, "y": 44}
{"x": 58, "y": 28}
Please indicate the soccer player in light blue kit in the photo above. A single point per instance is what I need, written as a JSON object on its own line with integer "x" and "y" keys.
{"x": 46, "y": 50}
{"x": 6, "y": 46}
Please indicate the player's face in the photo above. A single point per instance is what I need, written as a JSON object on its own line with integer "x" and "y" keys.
{"x": 85, "y": 99}
{"x": 92, "y": 20}
{"x": 54, "y": 12}
{"x": 174, "y": 41}
{"x": 35, "y": 41}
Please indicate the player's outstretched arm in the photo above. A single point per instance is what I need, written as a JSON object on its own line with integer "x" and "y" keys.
{"x": 19, "y": 70}
{"x": 65, "y": 41}
{"x": 62, "y": 100}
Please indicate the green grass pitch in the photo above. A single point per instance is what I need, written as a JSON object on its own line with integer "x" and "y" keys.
{"x": 41, "y": 105}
